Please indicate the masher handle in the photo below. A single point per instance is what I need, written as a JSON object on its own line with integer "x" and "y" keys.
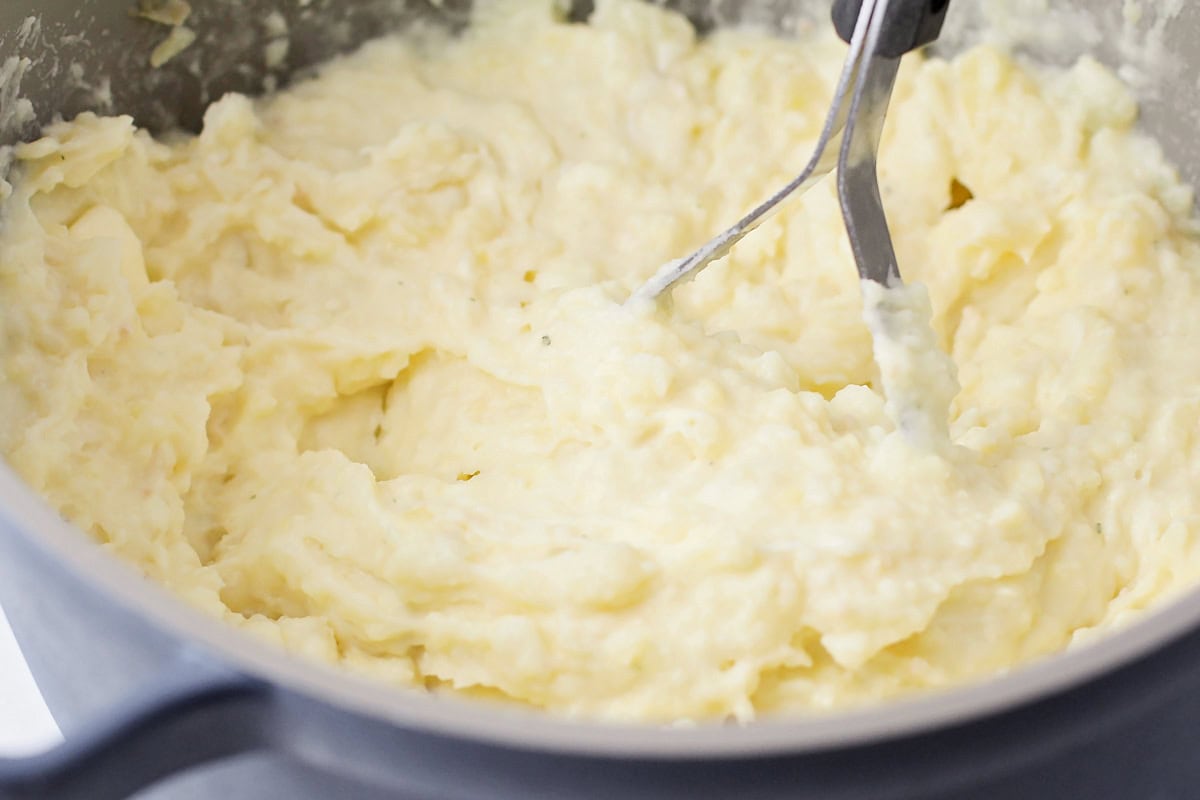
{"x": 909, "y": 24}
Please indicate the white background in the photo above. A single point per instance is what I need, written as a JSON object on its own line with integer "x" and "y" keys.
{"x": 25, "y": 724}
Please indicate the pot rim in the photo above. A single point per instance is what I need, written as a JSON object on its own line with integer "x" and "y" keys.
{"x": 23, "y": 513}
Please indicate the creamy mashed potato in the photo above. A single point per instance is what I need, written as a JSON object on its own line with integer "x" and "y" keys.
{"x": 351, "y": 369}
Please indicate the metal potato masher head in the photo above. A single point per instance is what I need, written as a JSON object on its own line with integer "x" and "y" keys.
{"x": 880, "y": 33}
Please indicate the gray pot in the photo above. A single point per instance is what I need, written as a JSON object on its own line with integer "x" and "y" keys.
{"x": 145, "y": 688}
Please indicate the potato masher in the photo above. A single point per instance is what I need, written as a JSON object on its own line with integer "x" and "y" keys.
{"x": 880, "y": 33}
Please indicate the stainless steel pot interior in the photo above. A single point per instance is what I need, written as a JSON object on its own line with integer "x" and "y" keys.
{"x": 65, "y": 57}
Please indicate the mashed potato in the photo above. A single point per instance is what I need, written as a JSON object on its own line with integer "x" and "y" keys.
{"x": 352, "y": 369}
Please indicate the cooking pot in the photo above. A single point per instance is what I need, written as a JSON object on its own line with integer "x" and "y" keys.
{"x": 149, "y": 691}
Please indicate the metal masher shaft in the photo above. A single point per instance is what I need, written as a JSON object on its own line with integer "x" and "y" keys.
{"x": 883, "y": 30}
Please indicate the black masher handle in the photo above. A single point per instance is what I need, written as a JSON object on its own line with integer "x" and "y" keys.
{"x": 909, "y": 24}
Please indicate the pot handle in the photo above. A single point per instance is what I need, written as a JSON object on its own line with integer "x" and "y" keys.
{"x": 196, "y": 712}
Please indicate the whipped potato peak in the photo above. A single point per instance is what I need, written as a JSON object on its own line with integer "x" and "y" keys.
{"x": 351, "y": 369}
